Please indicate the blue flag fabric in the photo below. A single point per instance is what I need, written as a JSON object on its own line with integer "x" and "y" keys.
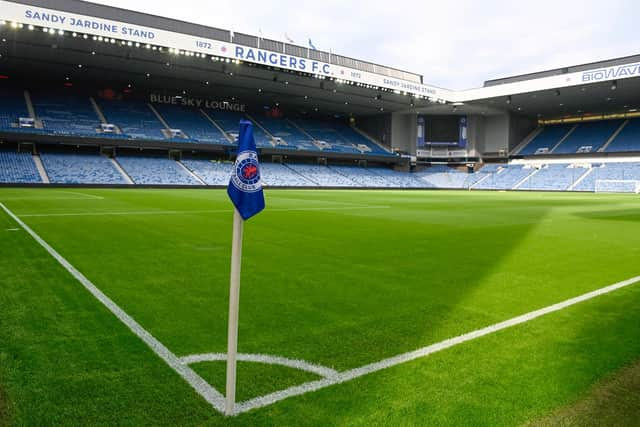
{"x": 311, "y": 45}
{"x": 245, "y": 185}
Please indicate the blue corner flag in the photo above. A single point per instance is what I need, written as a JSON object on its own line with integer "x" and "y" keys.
{"x": 245, "y": 185}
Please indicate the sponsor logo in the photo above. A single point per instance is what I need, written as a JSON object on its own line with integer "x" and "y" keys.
{"x": 621, "y": 71}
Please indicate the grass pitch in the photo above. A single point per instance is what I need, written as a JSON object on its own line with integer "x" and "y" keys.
{"x": 336, "y": 278}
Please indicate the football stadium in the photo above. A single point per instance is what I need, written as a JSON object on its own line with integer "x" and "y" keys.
{"x": 407, "y": 254}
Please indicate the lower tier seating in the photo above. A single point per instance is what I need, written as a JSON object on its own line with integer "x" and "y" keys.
{"x": 18, "y": 168}
{"x": 155, "y": 171}
{"x": 84, "y": 168}
{"x": 80, "y": 169}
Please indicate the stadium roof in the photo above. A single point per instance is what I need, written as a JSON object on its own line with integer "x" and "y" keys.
{"x": 81, "y": 42}
{"x": 169, "y": 24}
{"x": 607, "y": 97}
{"x": 564, "y": 70}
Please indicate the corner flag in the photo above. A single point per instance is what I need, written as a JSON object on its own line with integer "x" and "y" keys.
{"x": 245, "y": 191}
{"x": 245, "y": 186}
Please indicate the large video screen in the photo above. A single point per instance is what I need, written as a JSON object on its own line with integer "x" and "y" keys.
{"x": 441, "y": 129}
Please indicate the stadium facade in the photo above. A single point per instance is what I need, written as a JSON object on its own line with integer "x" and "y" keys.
{"x": 100, "y": 95}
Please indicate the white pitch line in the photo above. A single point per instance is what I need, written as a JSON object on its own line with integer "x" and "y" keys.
{"x": 121, "y": 213}
{"x": 185, "y": 212}
{"x": 88, "y": 196}
{"x": 301, "y": 365}
{"x": 424, "y": 351}
{"x": 203, "y": 388}
{"x": 85, "y": 196}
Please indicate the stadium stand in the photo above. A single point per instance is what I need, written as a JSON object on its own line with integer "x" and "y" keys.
{"x": 399, "y": 179}
{"x": 505, "y": 178}
{"x": 65, "y": 114}
{"x": 338, "y": 137}
{"x": 286, "y": 131}
{"x": 323, "y": 176}
{"x": 442, "y": 176}
{"x": 358, "y": 139}
{"x": 12, "y": 107}
{"x": 329, "y": 139}
{"x": 18, "y": 168}
{"x": 588, "y": 137}
{"x": 278, "y": 175}
{"x": 72, "y": 168}
{"x": 228, "y": 122}
{"x": 628, "y": 139}
{"x": 362, "y": 177}
{"x": 483, "y": 173}
{"x": 213, "y": 173}
{"x": 193, "y": 123}
{"x": 87, "y": 168}
{"x": 546, "y": 140}
{"x": 155, "y": 171}
{"x": 134, "y": 118}
{"x": 68, "y": 114}
{"x": 553, "y": 177}
{"x": 619, "y": 172}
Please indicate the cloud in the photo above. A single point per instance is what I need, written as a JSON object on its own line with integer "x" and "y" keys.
{"x": 453, "y": 44}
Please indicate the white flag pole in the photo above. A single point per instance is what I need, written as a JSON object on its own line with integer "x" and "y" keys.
{"x": 234, "y": 302}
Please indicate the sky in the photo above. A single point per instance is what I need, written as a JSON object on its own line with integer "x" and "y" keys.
{"x": 453, "y": 44}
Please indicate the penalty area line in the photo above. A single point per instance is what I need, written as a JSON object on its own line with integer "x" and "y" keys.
{"x": 352, "y": 374}
{"x": 203, "y": 388}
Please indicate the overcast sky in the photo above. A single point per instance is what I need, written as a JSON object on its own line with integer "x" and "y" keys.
{"x": 454, "y": 44}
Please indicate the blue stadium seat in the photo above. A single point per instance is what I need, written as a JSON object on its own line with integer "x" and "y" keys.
{"x": 323, "y": 176}
{"x": 149, "y": 170}
{"x": 134, "y": 118}
{"x": 505, "y": 178}
{"x": 588, "y": 134}
{"x": 546, "y": 139}
{"x": 363, "y": 177}
{"x": 12, "y": 107}
{"x": 340, "y": 137}
{"x": 193, "y": 123}
{"x": 611, "y": 172}
{"x": 283, "y": 129}
{"x": 553, "y": 177}
{"x": 66, "y": 114}
{"x": 18, "y": 168}
{"x": 229, "y": 122}
{"x": 72, "y": 168}
{"x": 397, "y": 179}
{"x": 212, "y": 173}
{"x": 278, "y": 175}
{"x": 442, "y": 176}
{"x": 628, "y": 139}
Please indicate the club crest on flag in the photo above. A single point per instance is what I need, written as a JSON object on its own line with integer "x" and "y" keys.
{"x": 246, "y": 173}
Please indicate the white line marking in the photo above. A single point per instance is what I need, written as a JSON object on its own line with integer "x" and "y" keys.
{"x": 302, "y": 365}
{"x": 200, "y": 385}
{"x": 36, "y": 198}
{"x": 85, "y": 196}
{"x": 13, "y": 229}
{"x": 88, "y": 196}
{"x": 424, "y": 351}
{"x": 125, "y": 213}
